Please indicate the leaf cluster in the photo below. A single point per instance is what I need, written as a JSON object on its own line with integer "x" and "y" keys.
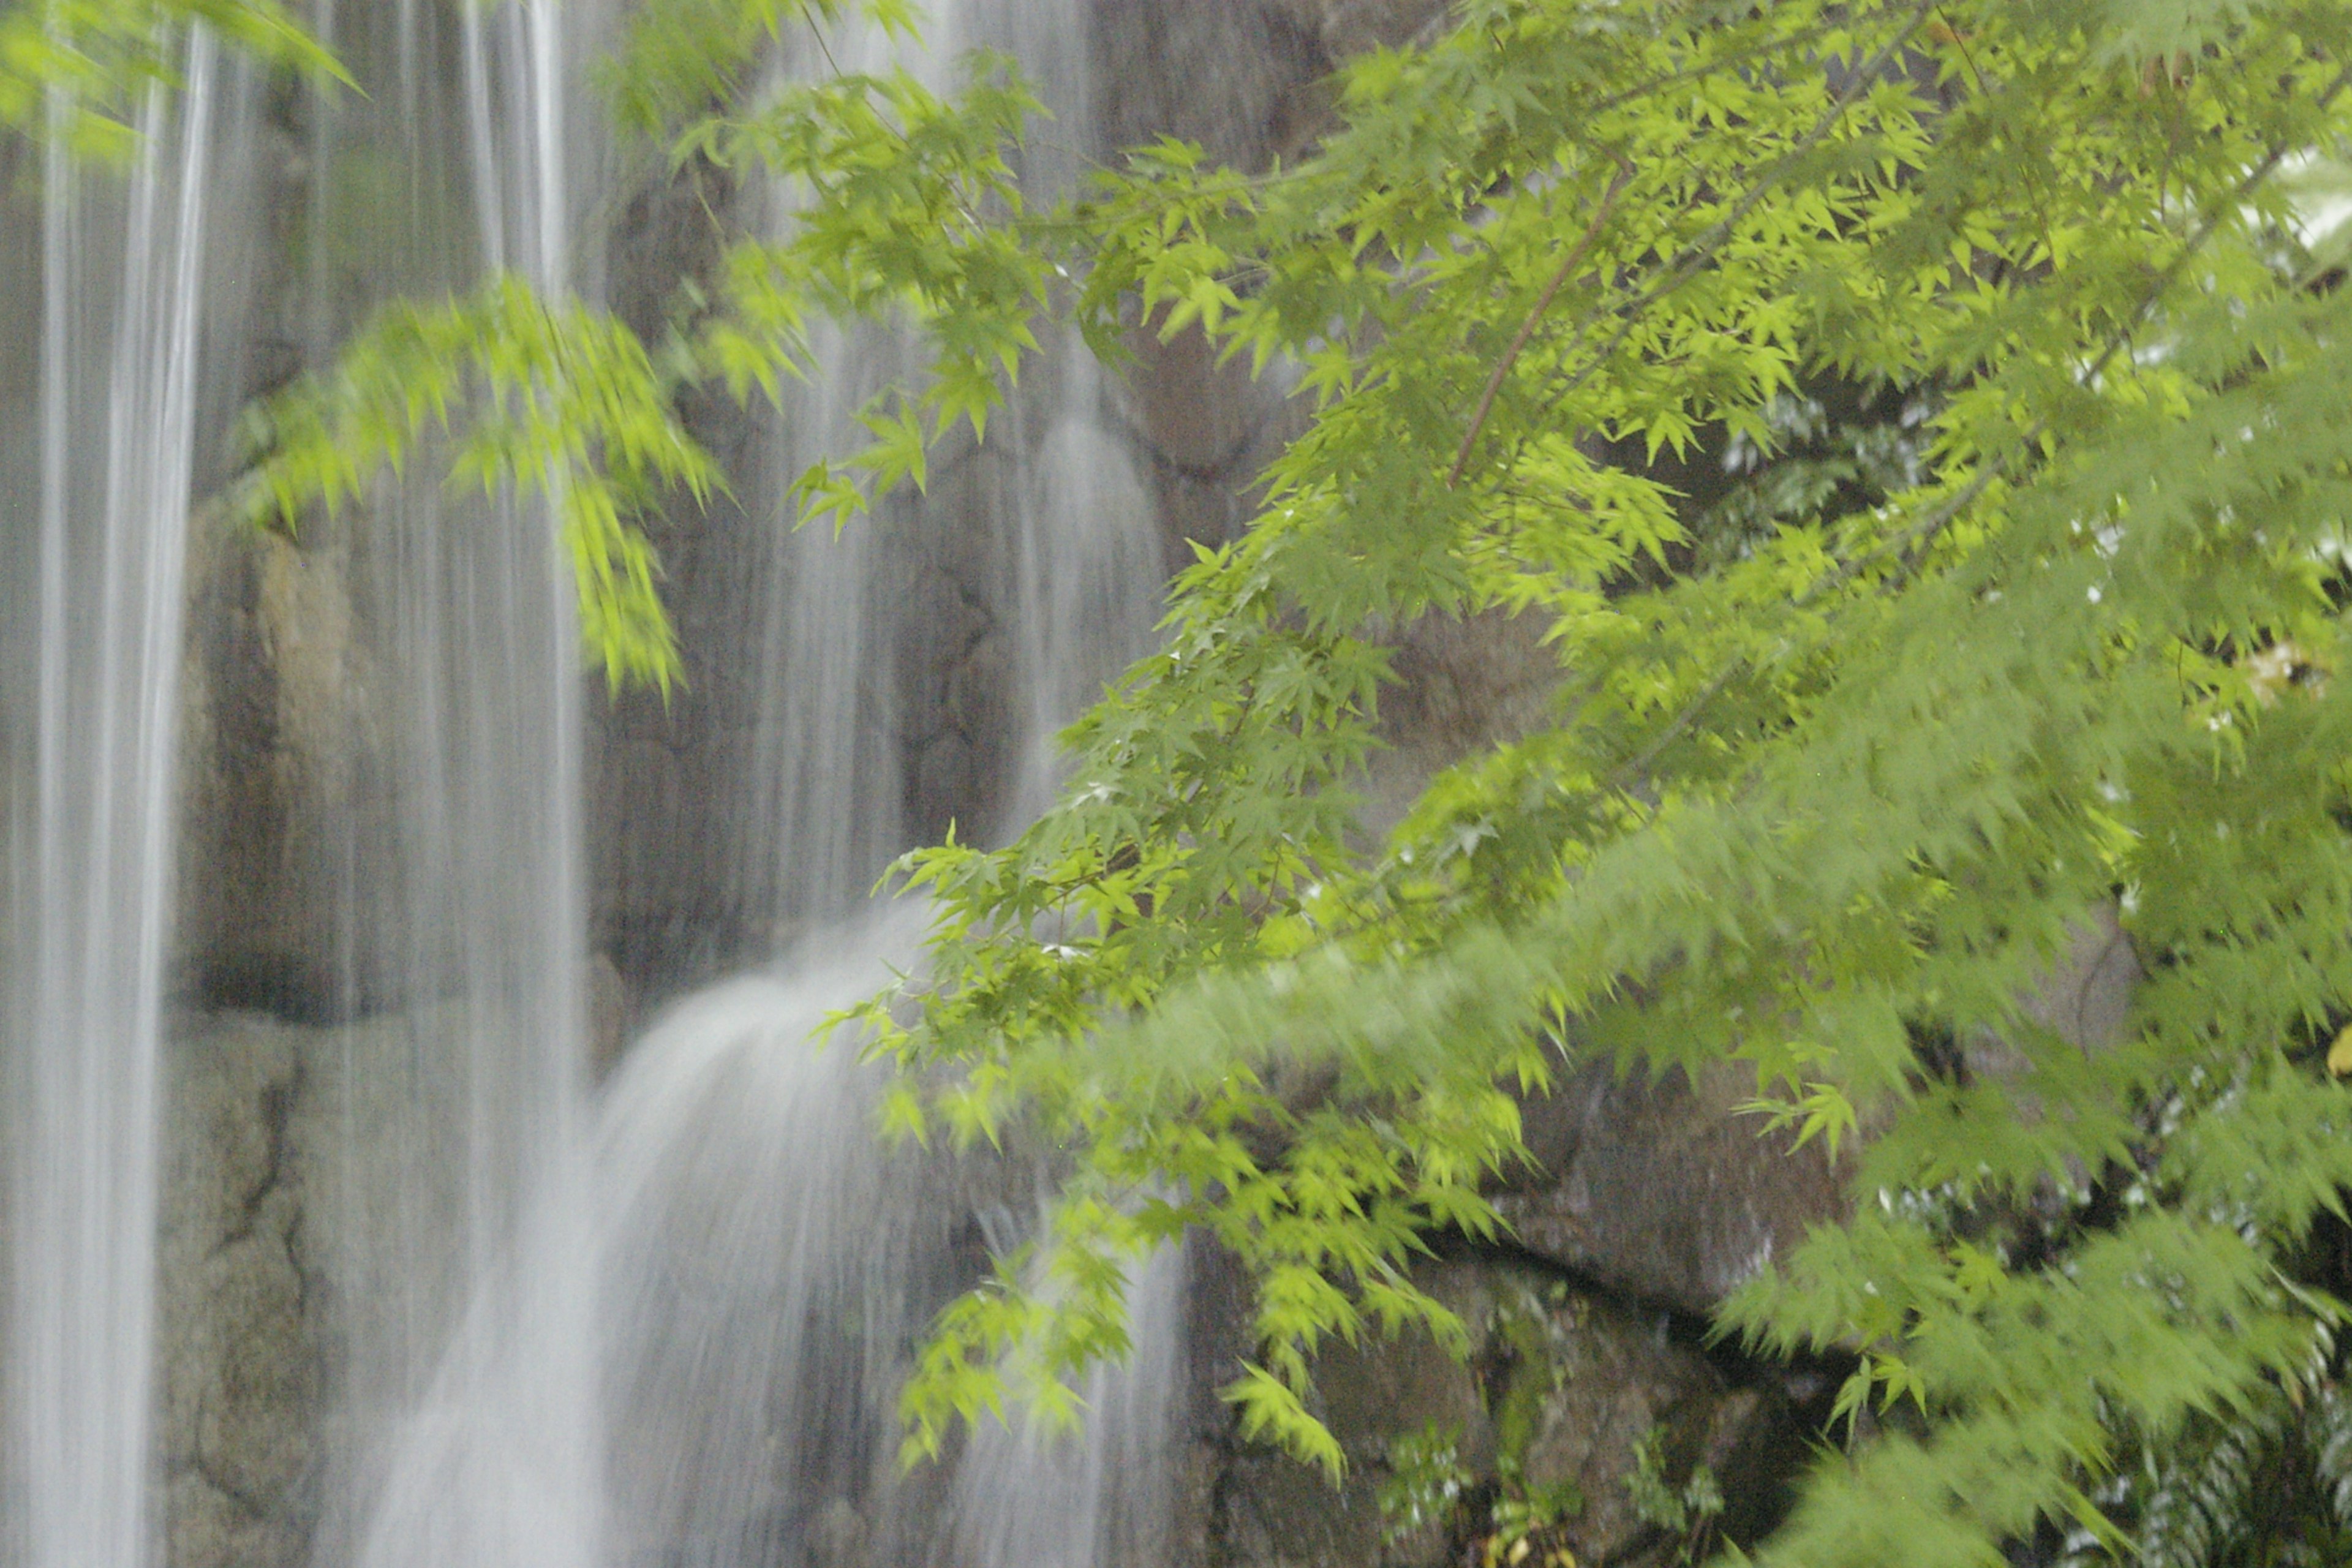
{"x": 904, "y": 205}
{"x": 534, "y": 399}
{"x": 77, "y": 69}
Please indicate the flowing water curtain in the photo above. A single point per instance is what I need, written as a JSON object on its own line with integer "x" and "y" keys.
{"x": 469, "y": 1396}
{"x": 823, "y": 812}
{"x": 767, "y": 1263}
{"x": 997, "y": 599}
{"x": 120, "y": 277}
{"x": 1031, "y": 1494}
{"x": 768, "y": 1260}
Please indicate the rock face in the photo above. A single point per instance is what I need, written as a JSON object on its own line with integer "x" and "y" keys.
{"x": 1565, "y": 1405}
{"x": 243, "y": 1375}
{"x": 1247, "y": 79}
{"x": 1662, "y": 1192}
{"x": 279, "y": 1338}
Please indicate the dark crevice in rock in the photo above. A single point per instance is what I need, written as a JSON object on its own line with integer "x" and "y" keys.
{"x": 1800, "y": 1376}
{"x": 277, "y": 1113}
{"x": 204, "y": 1470}
{"x": 1218, "y": 473}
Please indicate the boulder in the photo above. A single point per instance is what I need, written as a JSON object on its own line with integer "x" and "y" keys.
{"x": 1249, "y": 81}
{"x": 1567, "y": 1401}
{"x": 1661, "y": 1190}
{"x": 1351, "y": 27}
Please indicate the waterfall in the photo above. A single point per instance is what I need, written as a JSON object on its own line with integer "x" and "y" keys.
{"x": 120, "y": 270}
{"x": 469, "y": 1430}
{"x": 1045, "y": 527}
{"x": 769, "y": 1264}
{"x": 1027, "y": 1496}
{"x": 665, "y": 1327}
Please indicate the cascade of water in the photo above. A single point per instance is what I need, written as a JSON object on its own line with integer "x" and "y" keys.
{"x": 469, "y": 1405}
{"x": 754, "y": 1264}
{"x": 1045, "y": 533}
{"x": 765, "y": 1267}
{"x": 726, "y": 1268}
{"x": 768, "y": 1266}
{"x": 825, "y": 810}
{"x": 121, "y": 272}
{"x": 1028, "y": 1496}
{"x": 767, "y": 1261}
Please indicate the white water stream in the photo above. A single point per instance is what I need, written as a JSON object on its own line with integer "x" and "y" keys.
{"x": 755, "y": 1346}
{"x": 101, "y": 534}
{"x": 471, "y": 1392}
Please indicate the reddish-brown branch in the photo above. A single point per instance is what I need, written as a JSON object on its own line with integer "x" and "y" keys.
{"x": 1568, "y": 266}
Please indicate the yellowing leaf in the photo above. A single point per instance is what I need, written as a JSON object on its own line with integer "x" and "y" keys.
{"x": 2339, "y": 1055}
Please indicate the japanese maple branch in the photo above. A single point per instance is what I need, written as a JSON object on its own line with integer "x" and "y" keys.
{"x": 1909, "y": 546}
{"x": 1704, "y": 248}
{"x": 1923, "y": 533}
{"x": 1708, "y": 245}
{"x": 1568, "y": 266}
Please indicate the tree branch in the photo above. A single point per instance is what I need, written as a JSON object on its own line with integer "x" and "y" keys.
{"x": 1910, "y": 545}
{"x": 1568, "y": 266}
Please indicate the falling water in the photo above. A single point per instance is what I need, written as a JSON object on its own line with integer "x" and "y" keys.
{"x": 768, "y": 1262}
{"x": 470, "y": 1413}
{"x": 1045, "y": 526}
{"x": 120, "y": 277}
{"x": 1029, "y": 1496}
{"x": 765, "y": 1267}
{"x": 668, "y": 1330}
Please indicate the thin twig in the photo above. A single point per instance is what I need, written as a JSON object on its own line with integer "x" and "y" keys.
{"x": 1568, "y": 266}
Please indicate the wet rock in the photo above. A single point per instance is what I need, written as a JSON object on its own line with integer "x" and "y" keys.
{"x": 251, "y": 1418}
{"x": 2085, "y": 1000}
{"x": 1461, "y": 686}
{"x": 1662, "y": 1190}
{"x": 240, "y": 1363}
{"x": 288, "y": 900}
{"x": 1350, "y": 27}
{"x": 612, "y": 1014}
{"x": 1196, "y": 411}
{"x": 212, "y": 1529}
{"x": 1238, "y": 76}
{"x": 2089, "y": 994}
{"x": 1250, "y": 80}
{"x": 1558, "y": 1399}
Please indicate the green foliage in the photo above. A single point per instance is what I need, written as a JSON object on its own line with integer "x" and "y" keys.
{"x": 1524, "y": 1526}
{"x": 1515, "y": 1525}
{"x": 1426, "y": 1482}
{"x": 906, "y": 203}
{"x": 909, "y": 213}
{"x": 2269, "y": 1488}
{"x": 77, "y": 68}
{"x": 1832, "y": 772}
{"x": 556, "y": 401}
{"x": 1687, "y": 1514}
